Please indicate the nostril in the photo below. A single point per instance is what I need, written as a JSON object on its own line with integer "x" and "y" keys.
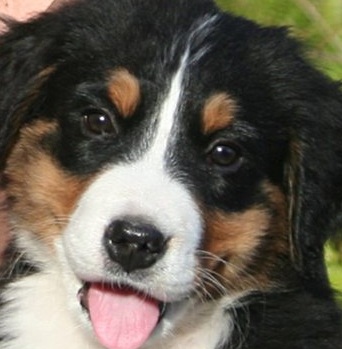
{"x": 134, "y": 244}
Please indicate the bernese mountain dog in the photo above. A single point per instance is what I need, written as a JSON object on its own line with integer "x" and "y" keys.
{"x": 173, "y": 173}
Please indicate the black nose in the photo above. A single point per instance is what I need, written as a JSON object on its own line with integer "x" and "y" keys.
{"x": 133, "y": 244}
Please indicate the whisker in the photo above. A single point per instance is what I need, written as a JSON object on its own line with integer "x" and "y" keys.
{"x": 217, "y": 280}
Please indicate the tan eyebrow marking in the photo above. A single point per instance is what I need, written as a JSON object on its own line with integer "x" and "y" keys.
{"x": 124, "y": 91}
{"x": 218, "y": 112}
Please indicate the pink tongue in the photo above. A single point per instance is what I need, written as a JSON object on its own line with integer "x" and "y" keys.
{"x": 121, "y": 318}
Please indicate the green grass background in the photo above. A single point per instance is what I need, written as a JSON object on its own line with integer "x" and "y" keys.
{"x": 335, "y": 270}
{"x": 318, "y": 24}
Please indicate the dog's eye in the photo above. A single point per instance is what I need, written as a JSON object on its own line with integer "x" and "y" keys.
{"x": 225, "y": 155}
{"x": 98, "y": 123}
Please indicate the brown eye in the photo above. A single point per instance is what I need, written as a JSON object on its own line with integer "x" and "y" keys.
{"x": 98, "y": 123}
{"x": 225, "y": 155}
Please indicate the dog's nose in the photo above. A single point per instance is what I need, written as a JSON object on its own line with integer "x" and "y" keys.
{"x": 134, "y": 244}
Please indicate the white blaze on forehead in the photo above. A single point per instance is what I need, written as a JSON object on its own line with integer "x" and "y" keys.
{"x": 167, "y": 116}
{"x": 144, "y": 189}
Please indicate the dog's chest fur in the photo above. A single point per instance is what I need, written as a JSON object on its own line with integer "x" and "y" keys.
{"x": 39, "y": 315}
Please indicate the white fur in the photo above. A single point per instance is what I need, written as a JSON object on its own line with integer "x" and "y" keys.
{"x": 37, "y": 316}
{"x": 199, "y": 326}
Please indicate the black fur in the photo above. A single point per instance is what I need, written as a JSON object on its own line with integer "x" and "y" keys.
{"x": 290, "y": 127}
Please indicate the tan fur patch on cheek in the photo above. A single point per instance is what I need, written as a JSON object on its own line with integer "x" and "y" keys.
{"x": 235, "y": 234}
{"x": 124, "y": 91}
{"x": 218, "y": 113}
{"x": 230, "y": 243}
{"x": 43, "y": 195}
{"x": 248, "y": 250}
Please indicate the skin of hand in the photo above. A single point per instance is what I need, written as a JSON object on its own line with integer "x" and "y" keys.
{"x": 23, "y": 9}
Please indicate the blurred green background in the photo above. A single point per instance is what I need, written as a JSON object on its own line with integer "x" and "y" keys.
{"x": 318, "y": 24}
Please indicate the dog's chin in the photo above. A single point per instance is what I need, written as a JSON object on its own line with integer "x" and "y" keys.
{"x": 127, "y": 318}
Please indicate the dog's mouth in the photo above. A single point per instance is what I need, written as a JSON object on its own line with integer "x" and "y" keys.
{"x": 122, "y": 318}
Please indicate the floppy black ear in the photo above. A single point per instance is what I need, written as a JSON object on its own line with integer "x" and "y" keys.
{"x": 23, "y": 60}
{"x": 315, "y": 171}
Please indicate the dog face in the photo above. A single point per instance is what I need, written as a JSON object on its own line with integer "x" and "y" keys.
{"x": 166, "y": 152}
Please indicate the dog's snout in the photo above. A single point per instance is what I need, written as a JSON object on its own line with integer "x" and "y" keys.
{"x": 134, "y": 244}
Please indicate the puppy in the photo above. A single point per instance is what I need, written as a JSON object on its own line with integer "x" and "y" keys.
{"x": 172, "y": 174}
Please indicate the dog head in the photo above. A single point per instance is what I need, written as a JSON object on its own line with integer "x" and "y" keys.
{"x": 169, "y": 149}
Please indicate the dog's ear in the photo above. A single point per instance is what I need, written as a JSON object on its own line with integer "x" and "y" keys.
{"x": 23, "y": 67}
{"x": 314, "y": 172}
